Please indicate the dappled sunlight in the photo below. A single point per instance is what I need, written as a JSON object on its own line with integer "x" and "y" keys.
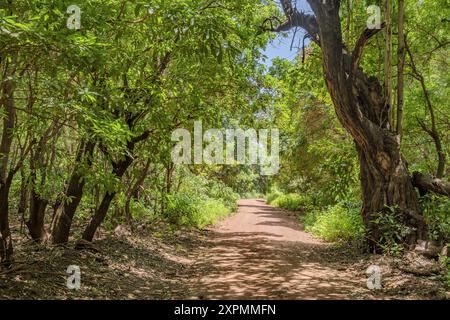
{"x": 261, "y": 253}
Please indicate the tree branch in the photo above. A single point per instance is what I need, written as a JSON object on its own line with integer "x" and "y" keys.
{"x": 300, "y": 19}
{"x": 427, "y": 183}
{"x": 434, "y": 131}
{"x": 360, "y": 44}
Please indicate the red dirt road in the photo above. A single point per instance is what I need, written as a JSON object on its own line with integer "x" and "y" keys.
{"x": 261, "y": 253}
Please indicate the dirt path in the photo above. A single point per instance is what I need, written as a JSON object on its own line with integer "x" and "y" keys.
{"x": 261, "y": 253}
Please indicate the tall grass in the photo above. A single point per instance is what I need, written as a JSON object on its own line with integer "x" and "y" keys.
{"x": 187, "y": 210}
{"x": 336, "y": 223}
{"x": 271, "y": 197}
{"x": 291, "y": 202}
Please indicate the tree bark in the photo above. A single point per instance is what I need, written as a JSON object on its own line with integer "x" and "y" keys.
{"x": 62, "y": 220}
{"x": 169, "y": 174}
{"x": 6, "y": 247}
{"x": 98, "y": 217}
{"x": 37, "y": 214}
{"x": 426, "y": 183}
{"x": 6, "y": 177}
{"x": 387, "y": 185}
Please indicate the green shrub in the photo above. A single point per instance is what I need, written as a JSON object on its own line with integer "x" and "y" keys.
{"x": 271, "y": 197}
{"x": 252, "y": 195}
{"x": 292, "y": 202}
{"x": 210, "y": 212}
{"x": 309, "y": 219}
{"x": 337, "y": 223}
{"x": 201, "y": 188}
{"x": 141, "y": 212}
{"x": 180, "y": 207}
{"x": 188, "y": 210}
{"x": 393, "y": 232}
{"x": 445, "y": 261}
{"x": 219, "y": 191}
{"x": 436, "y": 211}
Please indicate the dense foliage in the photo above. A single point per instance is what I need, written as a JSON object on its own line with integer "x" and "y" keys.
{"x": 87, "y": 115}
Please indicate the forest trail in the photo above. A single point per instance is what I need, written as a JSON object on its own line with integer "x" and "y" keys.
{"x": 258, "y": 253}
{"x": 261, "y": 253}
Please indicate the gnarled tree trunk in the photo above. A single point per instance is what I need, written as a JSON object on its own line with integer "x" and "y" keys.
{"x": 386, "y": 184}
{"x": 362, "y": 107}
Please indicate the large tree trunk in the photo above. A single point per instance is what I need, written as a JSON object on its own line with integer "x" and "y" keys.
{"x": 7, "y": 101}
{"x": 62, "y": 220}
{"x": 386, "y": 185}
{"x": 364, "y": 111}
{"x": 363, "y": 108}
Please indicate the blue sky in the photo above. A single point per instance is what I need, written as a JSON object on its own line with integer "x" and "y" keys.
{"x": 281, "y": 46}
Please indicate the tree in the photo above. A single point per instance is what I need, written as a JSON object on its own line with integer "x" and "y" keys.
{"x": 363, "y": 109}
{"x": 6, "y": 176}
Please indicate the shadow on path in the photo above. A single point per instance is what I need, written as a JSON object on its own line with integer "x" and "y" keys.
{"x": 261, "y": 253}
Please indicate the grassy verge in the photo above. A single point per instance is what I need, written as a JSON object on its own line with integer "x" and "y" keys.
{"x": 196, "y": 212}
{"x": 340, "y": 222}
{"x": 336, "y": 223}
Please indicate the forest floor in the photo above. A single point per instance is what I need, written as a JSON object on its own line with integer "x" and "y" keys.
{"x": 258, "y": 253}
